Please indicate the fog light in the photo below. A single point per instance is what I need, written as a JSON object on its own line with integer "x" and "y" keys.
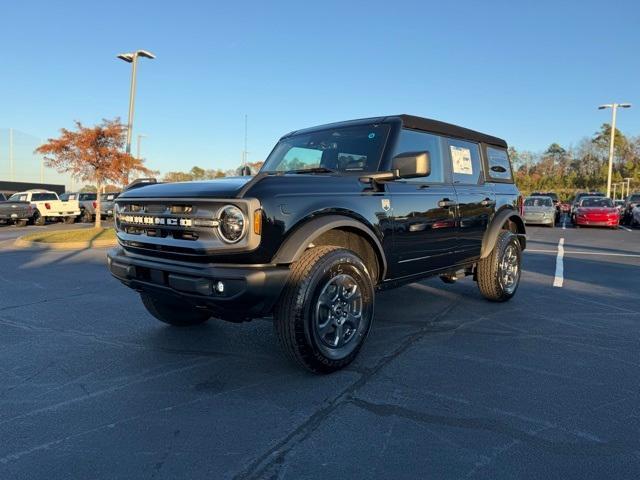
{"x": 219, "y": 287}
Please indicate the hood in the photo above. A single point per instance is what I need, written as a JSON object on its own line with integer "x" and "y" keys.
{"x": 539, "y": 209}
{"x": 228, "y": 187}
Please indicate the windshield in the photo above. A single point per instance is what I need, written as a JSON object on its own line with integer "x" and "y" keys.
{"x": 344, "y": 149}
{"x": 538, "y": 202}
{"x": 18, "y": 197}
{"x": 596, "y": 202}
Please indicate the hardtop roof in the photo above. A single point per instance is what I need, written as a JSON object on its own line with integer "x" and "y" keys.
{"x": 415, "y": 123}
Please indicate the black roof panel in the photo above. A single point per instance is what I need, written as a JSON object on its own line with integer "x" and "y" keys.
{"x": 416, "y": 123}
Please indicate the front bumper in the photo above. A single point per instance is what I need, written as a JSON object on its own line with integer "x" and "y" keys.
{"x": 249, "y": 290}
{"x": 539, "y": 220}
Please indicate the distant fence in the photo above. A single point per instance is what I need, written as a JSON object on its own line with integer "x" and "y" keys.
{"x": 19, "y": 163}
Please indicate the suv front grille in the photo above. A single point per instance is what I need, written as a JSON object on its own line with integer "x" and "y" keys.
{"x": 188, "y": 227}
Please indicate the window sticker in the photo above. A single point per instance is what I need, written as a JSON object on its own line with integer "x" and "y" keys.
{"x": 461, "y": 158}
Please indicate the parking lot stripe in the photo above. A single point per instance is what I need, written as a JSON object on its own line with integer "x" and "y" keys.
{"x": 559, "y": 278}
{"x": 625, "y": 228}
{"x": 564, "y": 223}
{"x": 583, "y": 252}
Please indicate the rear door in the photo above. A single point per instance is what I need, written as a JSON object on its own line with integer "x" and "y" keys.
{"x": 476, "y": 200}
{"x": 423, "y": 211}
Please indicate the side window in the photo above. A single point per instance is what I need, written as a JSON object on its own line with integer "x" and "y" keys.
{"x": 465, "y": 161}
{"x": 413, "y": 141}
{"x": 298, "y": 158}
{"x": 499, "y": 166}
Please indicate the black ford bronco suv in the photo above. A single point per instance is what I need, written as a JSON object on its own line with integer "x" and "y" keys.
{"x": 336, "y": 212}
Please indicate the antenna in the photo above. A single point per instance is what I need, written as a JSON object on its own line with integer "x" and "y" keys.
{"x": 244, "y": 152}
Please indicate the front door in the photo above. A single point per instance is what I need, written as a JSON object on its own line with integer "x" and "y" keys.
{"x": 424, "y": 227}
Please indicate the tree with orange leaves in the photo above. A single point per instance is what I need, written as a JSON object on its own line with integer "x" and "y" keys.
{"x": 93, "y": 154}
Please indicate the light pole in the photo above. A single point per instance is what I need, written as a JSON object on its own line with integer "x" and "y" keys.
{"x": 628, "y": 180}
{"x": 614, "y": 108}
{"x": 140, "y": 137}
{"x": 132, "y": 58}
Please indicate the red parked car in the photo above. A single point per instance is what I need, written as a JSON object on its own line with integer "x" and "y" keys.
{"x": 597, "y": 211}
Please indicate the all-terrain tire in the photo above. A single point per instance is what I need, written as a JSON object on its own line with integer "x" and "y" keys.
{"x": 299, "y": 311}
{"x": 174, "y": 313}
{"x": 491, "y": 270}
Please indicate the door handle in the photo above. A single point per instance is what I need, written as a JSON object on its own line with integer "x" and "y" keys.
{"x": 486, "y": 202}
{"x": 445, "y": 202}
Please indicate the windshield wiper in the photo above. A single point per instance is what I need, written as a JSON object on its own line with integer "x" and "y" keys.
{"x": 313, "y": 170}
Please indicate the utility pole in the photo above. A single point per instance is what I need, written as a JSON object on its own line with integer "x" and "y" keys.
{"x": 11, "y": 171}
{"x": 614, "y": 108}
{"x": 140, "y": 136}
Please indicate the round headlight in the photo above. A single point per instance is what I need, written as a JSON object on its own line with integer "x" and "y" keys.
{"x": 233, "y": 224}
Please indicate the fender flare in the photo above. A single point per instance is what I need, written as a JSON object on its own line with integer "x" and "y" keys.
{"x": 498, "y": 221}
{"x": 297, "y": 242}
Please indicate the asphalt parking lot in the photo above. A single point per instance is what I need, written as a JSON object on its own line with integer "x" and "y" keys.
{"x": 447, "y": 386}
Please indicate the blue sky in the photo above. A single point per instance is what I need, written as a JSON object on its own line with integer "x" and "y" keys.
{"x": 531, "y": 72}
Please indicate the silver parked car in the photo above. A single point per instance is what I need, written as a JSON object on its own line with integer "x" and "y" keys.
{"x": 107, "y": 204}
{"x": 540, "y": 210}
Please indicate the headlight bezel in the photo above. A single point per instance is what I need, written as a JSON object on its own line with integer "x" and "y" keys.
{"x": 245, "y": 220}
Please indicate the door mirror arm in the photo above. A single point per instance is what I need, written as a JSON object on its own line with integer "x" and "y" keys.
{"x": 375, "y": 180}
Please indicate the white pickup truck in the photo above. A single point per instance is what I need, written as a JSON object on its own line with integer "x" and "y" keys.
{"x": 47, "y": 205}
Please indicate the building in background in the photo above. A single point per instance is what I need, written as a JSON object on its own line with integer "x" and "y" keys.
{"x": 9, "y": 188}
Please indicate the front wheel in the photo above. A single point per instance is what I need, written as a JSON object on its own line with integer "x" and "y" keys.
{"x": 499, "y": 273}
{"x": 21, "y": 223}
{"x": 173, "y": 313}
{"x": 326, "y": 309}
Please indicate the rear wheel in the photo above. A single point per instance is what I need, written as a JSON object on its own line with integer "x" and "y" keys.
{"x": 38, "y": 219}
{"x": 174, "y": 313}
{"x": 499, "y": 273}
{"x": 326, "y": 309}
{"x": 21, "y": 223}
{"x": 86, "y": 217}
{"x": 69, "y": 220}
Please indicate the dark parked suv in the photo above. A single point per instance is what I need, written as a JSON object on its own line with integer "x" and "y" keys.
{"x": 336, "y": 213}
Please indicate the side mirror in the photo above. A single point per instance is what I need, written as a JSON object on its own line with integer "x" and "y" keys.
{"x": 412, "y": 164}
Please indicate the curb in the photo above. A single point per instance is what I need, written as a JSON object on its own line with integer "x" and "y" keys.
{"x": 21, "y": 243}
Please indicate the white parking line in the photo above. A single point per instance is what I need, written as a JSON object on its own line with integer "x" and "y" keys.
{"x": 559, "y": 278}
{"x": 564, "y": 223}
{"x": 625, "y": 228}
{"x": 583, "y": 252}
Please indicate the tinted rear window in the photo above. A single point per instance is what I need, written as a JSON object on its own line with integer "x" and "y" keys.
{"x": 499, "y": 166}
{"x": 41, "y": 197}
{"x": 538, "y": 202}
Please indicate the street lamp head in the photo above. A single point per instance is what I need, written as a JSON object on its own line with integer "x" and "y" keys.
{"x": 625, "y": 105}
{"x": 607, "y": 105}
{"x": 127, "y": 57}
{"x": 146, "y": 54}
